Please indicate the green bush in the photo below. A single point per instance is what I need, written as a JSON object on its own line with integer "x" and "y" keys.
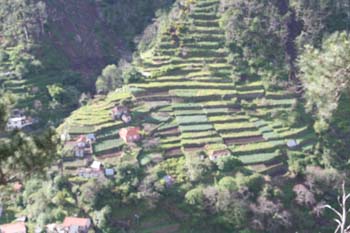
{"x": 228, "y": 163}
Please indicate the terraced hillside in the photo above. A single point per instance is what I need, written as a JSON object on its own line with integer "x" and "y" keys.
{"x": 189, "y": 103}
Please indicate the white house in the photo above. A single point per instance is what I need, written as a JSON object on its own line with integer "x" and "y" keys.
{"x": 96, "y": 165}
{"x": 109, "y": 172}
{"x": 18, "y": 122}
{"x": 292, "y": 143}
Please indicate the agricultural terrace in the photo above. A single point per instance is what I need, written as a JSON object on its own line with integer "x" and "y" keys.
{"x": 191, "y": 99}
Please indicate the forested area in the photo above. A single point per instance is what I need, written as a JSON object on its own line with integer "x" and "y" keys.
{"x": 242, "y": 110}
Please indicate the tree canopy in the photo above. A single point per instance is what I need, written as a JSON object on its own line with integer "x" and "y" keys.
{"x": 325, "y": 73}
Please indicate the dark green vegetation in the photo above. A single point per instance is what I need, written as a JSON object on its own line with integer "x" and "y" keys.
{"x": 51, "y": 52}
{"x": 208, "y": 78}
{"x": 23, "y": 155}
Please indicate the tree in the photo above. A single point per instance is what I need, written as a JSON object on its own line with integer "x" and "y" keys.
{"x": 129, "y": 19}
{"x": 110, "y": 79}
{"x": 24, "y": 156}
{"x": 255, "y": 31}
{"x": 196, "y": 167}
{"x": 321, "y": 18}
{"x": 325, "y": 73}
{"x": 341, "y": 215}
{"x": 101, "y": 219}
{"x": 131, "y": 75}
{"x": 228, "y": 163}
{"x": 95, "y": 194}
{"x": 5, "y": 102}
{"x": 56, "y": 92}
{"x": 228, "y": 183}
{"x": 67, "y": 96}
{"x": 270, "y": 216}
{"x": 22, "y": 20}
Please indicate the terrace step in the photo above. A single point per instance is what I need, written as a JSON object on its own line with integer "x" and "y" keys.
{"x": 259, "y": 158}
{"x": 204, "y": 38}
{"x": 194, "y": 53}
{"x": 243, "y": 140}
{"x": 206, "y": 30}
{"x": 208, "y": 8}
{"x": 209, "y": 45}
{"x": 206, "y": 23}
{"x": 173, "y": 152}
{"x": 255, "y": 148}
{"x": 279, "y": 169}
{"x": 207, "y": 3}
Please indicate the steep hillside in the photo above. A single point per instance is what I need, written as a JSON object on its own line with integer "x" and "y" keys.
{"x": 189, "y": 103}
{"x": 208, "y": 116}
{"x": 65, "y": 45}
{"x": 78, "y": 31}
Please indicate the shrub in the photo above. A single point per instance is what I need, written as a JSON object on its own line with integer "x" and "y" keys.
{"x": 228, "y": 163}
{"x": 131, "y": 75}
{"x": 228, "y": 182}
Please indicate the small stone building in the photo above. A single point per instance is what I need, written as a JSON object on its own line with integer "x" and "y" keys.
{"x": 126, "y": 118}
{"x": 119, "y": 111}
{"x": 80, "y": 145}
{"x": 215, "y": 153}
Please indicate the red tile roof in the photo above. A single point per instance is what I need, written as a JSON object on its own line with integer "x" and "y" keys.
{"x": 73, "y": 221}
{"x": 81, "y": 138}
{"x": 19, "y": 227}
{"x": 125, "y": 133}
{"x": 17, "y": 186}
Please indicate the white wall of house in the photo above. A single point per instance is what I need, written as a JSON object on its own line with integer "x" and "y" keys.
{"x": 17, "y": 123}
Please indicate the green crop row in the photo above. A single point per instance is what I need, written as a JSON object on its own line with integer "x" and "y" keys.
{"x": 108, "y": 145}
{"x": 189, "y": 112}
{"x": 170, "y": 140}
{"x": 192, "y": 128}
{"x": 258, "y": 158}
{"x": 191, "y": 119}
{"x": 190, "y": 84}
{"x": 235, "y": 125}
{"x": 200, "y": 134}
{"x": 186, "y": 106}
{"x": 228, "y": 118}
{"x": 200, "y": 141}
{"x": 166, "y": 146}
{"x": 241, "y": 134}
{"x": 293, "y": 131}
{"x": 260, "y": 146}
{"x": 216, "y": 110}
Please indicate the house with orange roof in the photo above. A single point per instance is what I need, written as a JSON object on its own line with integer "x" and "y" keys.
{"x": 130, "y": 134}
{"x": 18, "y": 227}
{"x": 76, "y": 225}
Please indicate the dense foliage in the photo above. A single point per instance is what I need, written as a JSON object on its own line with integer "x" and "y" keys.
{"x": 272, "y": 46}
{"x": 140, "y": 14}
{"x": 23, "y": 155}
